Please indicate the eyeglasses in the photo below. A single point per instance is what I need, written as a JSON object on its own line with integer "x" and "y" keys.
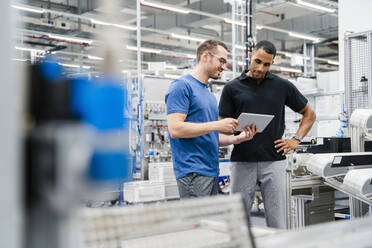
{"x": 221, "y": 59}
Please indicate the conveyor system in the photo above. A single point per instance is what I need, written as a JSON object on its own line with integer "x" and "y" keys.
{"x": 359, "y": 181}
{"x": 337, "y": 164}
{"x": 360, "y": 127}
{"x": 186, "y": 223}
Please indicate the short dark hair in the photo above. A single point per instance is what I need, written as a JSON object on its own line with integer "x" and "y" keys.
{"x": 267, "y": 46}
{"x": 208, "y": 45}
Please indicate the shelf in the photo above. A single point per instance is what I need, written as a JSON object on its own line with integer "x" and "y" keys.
{"x": 320, "y": 92}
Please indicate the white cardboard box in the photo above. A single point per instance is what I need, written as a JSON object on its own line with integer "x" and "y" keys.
{"x": 144, "y": 191}
{"x": 162, "y": 172}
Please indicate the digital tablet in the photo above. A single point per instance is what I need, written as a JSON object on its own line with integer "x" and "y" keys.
{"x": 261, "y": 121}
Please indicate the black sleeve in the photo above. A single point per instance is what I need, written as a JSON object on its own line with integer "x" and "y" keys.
{"x": 226, "y": 105}
{"x": 295, "y": 100}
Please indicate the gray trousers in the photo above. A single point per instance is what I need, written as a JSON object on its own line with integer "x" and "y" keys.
{"x": 271, "y": 177}
{"x": 195, "y": 185}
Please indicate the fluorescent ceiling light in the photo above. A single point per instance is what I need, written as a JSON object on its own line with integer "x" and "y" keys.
{"x": 166, "y": 7}
{"x": 171, "y": 76}
{"x": 29, "y": 49}
{"x": 22, "y": 60}
{"x": 185, "y": 37}
{"x": 99, "y": 22}
{"x": 29, "y": 9}
{"x": 73, "y": 39}
{"x": 293, "y": 34}
{"x": 125, "y": 27}
{"x": 94, "y": 57}
{"x": 143, "y": 49}
{"x": 227, "y": 20}
{"x": 315, "y": 6}
{"x": 70, "y": 65}
{"x": 333, "y": 62}
{"x": 86, "y": 67}
{"x": 191, "y": 56}
{"x": 172, "y": 67}
{"x": 290, "y": 69}
{"x": 303, "y": 36}
{"x": 287, "y": 54}
{"x": 113, "y": 24}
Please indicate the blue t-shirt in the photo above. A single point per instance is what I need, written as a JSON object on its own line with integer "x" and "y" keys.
{"x": 189, "y": 96}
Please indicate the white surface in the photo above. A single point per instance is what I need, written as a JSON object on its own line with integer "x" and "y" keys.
{"x": 144, "y": 191}
{"x": 353, "y": 16}
{"x": 359, "y": 181}
{"x": 10, "y": 154}
{"x": 247, "y": 119}
{"x": 305, "y": 83}
{"x": 328, "y": 105}
{"x": 168, "y": 224}
{"x": 330, "y": 81}
{"x": 361, "y": 118}
{"x": 191, "y": 238}
{"x": 162, "y": 172}
{"x": 327, "y": 128}
{"x": 225, "y": 168}
{"x": 155, "y": 88}
{"x": 320, "y": 164}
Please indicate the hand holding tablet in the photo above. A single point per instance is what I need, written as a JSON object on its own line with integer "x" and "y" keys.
{"x": 260, "y": 120}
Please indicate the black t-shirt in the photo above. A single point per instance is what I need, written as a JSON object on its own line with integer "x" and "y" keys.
{"x": 243, "y": 94}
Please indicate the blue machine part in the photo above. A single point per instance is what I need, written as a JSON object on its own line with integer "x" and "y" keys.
{"x": 51, "y": 70}
{"x": 107, "y": 166}
{"x": 100, "y": 102}
{"x": 340, "y": 132}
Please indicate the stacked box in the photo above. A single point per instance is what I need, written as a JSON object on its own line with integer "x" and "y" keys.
{"x": 163, "y": 172}
{"x": 144, "y": 191}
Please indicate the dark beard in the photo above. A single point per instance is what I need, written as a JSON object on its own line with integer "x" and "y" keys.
{"x": 214, "y": 77}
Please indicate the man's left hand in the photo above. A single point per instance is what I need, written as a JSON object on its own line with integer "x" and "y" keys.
{"x": 286, "y": 145}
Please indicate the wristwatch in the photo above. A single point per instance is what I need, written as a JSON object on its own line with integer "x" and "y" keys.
{"x": 297, "y": 137}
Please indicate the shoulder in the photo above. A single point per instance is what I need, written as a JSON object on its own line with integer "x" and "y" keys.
{"x": 282, "y": 81}
{"x": 180, "y": 83}
{"x": 233, "y": 83}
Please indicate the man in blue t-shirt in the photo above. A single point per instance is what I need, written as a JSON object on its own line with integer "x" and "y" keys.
{"x": 194, "y": 128}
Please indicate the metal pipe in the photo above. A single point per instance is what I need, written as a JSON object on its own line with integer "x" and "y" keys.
{"x": 305, "y": 61}
{"x": 139, "y": 66}
{"x": 233, "y": 26}
{"x": 248, "y": 32}
{"x": 312, "y": 60}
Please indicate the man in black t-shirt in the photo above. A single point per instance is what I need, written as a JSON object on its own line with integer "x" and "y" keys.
{"x": 262, "y": 160}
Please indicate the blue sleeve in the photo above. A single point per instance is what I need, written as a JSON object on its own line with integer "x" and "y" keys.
{"x": 177, "y": 98}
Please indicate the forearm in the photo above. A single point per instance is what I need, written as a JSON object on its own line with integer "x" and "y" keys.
{"x": 225, "y": 140}
{"x": 306, "y": 123}
{"x": 192, "y": 129}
